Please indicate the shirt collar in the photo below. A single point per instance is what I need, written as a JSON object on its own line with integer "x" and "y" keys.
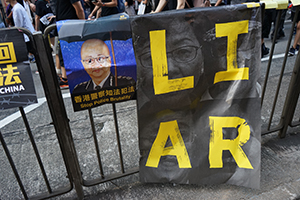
{"x": 102, "y": 82}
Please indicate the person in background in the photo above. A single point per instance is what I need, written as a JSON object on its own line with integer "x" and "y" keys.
{"x": 95, "y": 13}
{"x": 205, "y": 3}
{"x": 52, "y": 4}
{"x": 26, "y": 4}
{"x": 21, "y": 19}
{"x": 9, "y": 17}
{"x": 296, "y": 43}
{"x": 2, "y": 24}
{"x": 43, "y": 18}
{"x": 150, "y": 6}
{"x": 42, "y": 15}
{"x": 136, "y": 6}
{"x": 88, "y": 7}
{"x": 108, "y": 7}
{"x": 67, "y": 9}
{"x": 268, "y": 18}
{"x": 173, "y": 4}
{"x": 217, "y": 3}
{"x": 56, "y": 41}
{"x": 280, "y": 32}
{"x": 129, "y": 7}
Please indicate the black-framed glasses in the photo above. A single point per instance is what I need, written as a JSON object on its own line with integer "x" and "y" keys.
{"x": 100, "y": 59}
{"x": 181, "y": 55}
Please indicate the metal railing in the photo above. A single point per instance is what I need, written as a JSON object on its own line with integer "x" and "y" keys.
{"x": 58, "y": 116}
{"x": 61, "y": 122}
{"x": 286, "y": 115}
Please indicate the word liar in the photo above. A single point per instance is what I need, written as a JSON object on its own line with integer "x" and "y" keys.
{"x": 162, "y": 85}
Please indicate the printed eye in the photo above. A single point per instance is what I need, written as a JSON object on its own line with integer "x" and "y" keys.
{"x": 146, "y": 59}
{"x": 100, "y": 58}
{"x": 89, "y": 61}
{"x": 184, "y": 54}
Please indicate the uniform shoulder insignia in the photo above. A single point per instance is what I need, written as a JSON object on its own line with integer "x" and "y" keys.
{"x": 125, "y": 77}
{"x": 80, "y": 84}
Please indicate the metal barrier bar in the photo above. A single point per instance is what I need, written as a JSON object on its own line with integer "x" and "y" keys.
{"x": 268, "y": 72}
{"x": 35, "y": 149}
{"x": 75, "y": 171}
{"x": 51, "y": 193}
{"x": 291, "y": 99}
{"x": 294, "y": 124}
{"x": 12, "y": 164}
{"x": 110, "y": 177}
{"x": 282, "y": 69}
{"x": 297, "y": 123}
{"x": 118, "y": 137}
{"x": 54, "y": 193}
{"x": 271, "y": 56}
{"x": 96, "y": 142}
{"x": 103, "y": 178}
{"x": 58, "y": 113}
{"x": 285, "y": 58}
{"x": 272, "y": 130}
{"x": 279, "y": 126}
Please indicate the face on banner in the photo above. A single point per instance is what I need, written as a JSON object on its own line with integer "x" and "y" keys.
{"x": 99, "y": 59}
{"x": 96, "y": 61}
{"x": 198, "y": 95}
{"x": 95, "y": 58}
{"x": 183, "y": 62}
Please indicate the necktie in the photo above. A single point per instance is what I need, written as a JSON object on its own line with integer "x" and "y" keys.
{"x": 98, "y": 87}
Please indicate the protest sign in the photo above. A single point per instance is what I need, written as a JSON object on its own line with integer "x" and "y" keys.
{"x": 99, "y": 59}
{"x": 199, "y": 95}
{"x": 16, "y": 83}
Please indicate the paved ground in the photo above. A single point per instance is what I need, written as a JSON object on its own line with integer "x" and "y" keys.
{"x": 280, "y": 179}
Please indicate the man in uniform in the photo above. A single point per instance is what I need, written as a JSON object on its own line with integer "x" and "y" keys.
{"x": 96, "y": 60}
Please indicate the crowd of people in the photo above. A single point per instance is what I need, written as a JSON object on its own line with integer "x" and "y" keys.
{"x": 36, "y": 15}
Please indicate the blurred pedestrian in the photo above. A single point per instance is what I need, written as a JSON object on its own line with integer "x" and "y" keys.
{"x": 43, "y": 16}
{"x": 67, "y": 9}
{"x": 173, "y": 4}
{"x": 108, "y": 7}
{"x": 268, "y": 19}
{"x": 88, "y": 7}
{"x": 21, "y": 19}
{"x": 295, "y": 47}
{"x": 129, "y": 7}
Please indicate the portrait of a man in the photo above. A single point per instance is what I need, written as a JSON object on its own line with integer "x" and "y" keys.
{"x": 96, "y": 60}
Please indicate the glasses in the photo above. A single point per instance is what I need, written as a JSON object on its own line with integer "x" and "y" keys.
{"x": 100, "y": 59}
{"x": 181, "y": 55}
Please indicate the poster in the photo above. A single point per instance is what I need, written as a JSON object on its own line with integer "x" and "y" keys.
{"x": 199, "y": 95}
{"x": 16, "y": 83}
{"x": 99, "y": 60}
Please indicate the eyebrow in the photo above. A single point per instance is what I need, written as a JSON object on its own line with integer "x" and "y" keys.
{"x": 183, "y": 41}
{"x": 178, "y": 41}
{"x": 88, "y": 57}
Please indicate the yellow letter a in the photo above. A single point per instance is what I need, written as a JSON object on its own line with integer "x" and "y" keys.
{"x": 217, "y": 144}
{"x": 168, "y": 129}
